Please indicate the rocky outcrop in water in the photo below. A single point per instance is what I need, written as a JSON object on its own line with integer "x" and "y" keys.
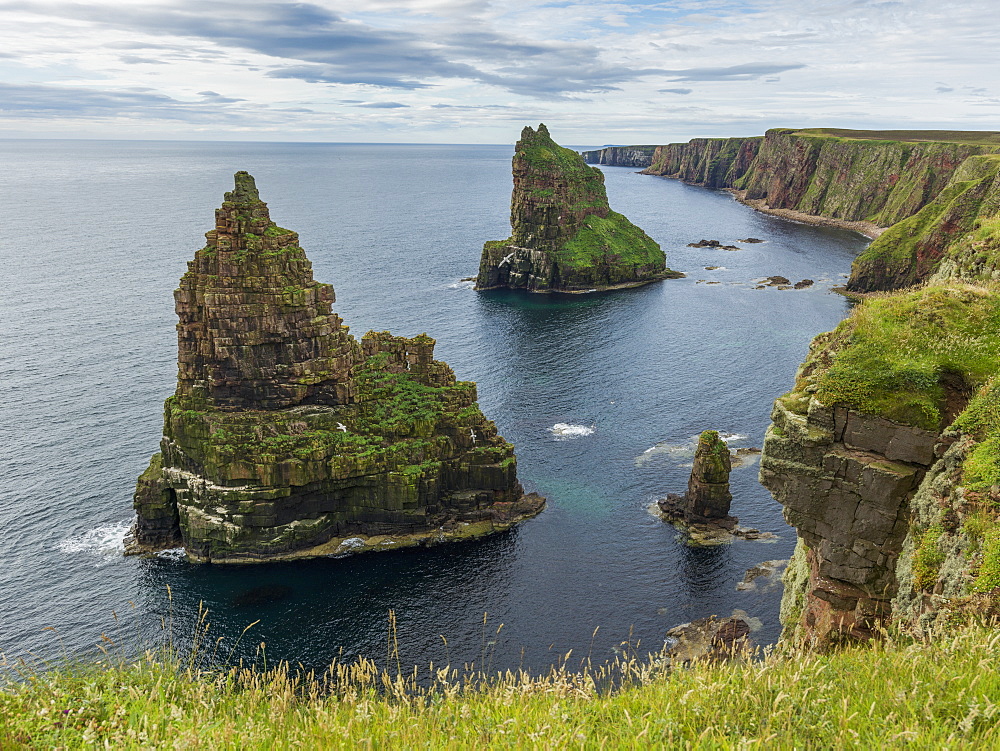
{"x": 704, "y": 508}
{"x": 621, "y": 156}
{"x": 287, "y": 437}
{"x": 564, "y": 236}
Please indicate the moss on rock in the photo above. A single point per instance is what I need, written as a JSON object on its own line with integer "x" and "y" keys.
{"x": 287, "y": 436}
{"x": 564, "y": 236}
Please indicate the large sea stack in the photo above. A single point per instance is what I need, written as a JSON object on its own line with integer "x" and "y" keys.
{"x": 288, "y": 438}
{"x": 564, "y": 237}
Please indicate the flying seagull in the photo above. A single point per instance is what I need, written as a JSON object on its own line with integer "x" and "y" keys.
{"x": 506, "y": 259}
{"x": 473, "y": 434}
{"x": 341, "y": 426}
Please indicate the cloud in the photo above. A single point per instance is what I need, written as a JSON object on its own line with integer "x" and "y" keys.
{"x": 943, "y": 89}
{"x": 318, "y": 45}
{"x": 384, "y": 105}
{"x": 675, "y": 91}
{"x": 137, "y": 60}
{"x": 743, "y": 72}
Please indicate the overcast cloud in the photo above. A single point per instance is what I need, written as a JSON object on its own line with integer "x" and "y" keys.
{"x": 477, "y": 71}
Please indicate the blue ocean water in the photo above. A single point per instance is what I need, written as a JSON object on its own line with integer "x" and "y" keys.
{"x": 95, "y": 236}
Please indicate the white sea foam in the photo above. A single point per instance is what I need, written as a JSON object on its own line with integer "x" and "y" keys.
{"x": 565, "y": 430}
{"x": 469, "y": 284}
{"x": 351, "y": 543}
{"x": 174, "y": 554}
{"x": 680, "y": 452}
{"x": 104, "y": 544}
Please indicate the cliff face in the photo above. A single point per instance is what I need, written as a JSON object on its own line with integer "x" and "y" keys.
{"x": 286, "y": 436}
{"x": 564, "y": 235}
{"x": 712, "y": 162}
{"x": 930, "y": 192}
{"x": 621, "y": 156}
{"x": 885, "y": 458}
{"x": 952, "y": 234}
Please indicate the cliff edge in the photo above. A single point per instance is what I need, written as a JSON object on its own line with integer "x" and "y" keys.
{"x": 886, "y": 459}
{"x": 287, "y": 437}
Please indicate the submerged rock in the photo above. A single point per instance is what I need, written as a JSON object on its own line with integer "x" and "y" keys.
{"x": 564, "y": 236}
{"x": 286, "y": 435}
{"x": 712, "y": 244}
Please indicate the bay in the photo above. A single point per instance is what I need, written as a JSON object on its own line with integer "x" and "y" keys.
{"x": 95, "y": 236}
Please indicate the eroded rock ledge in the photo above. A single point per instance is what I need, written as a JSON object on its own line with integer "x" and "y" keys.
{"x": 287, "y": 437}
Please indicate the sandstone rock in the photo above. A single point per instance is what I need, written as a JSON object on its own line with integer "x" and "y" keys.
{"x": 564, "y": 236}
{"x": 803, "y": 284}
{"x": 751, "y": 240}
{"x": 286, "y": 435}
{"x": 704, "y": 510}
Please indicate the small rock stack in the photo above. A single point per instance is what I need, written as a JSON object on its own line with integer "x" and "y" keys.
{"x": 708, "y": 499}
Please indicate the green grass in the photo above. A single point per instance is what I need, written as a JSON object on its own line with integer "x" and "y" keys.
{"x": 979, "y": 137}
{"x": 890, "y": 356}
{"x": 942, "y": 693}
{"x": 611, "y": 239}
{"x": 928, "y": 557}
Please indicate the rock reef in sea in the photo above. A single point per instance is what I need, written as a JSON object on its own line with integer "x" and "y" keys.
{"x": 564, "y": 236}
{"x": 289, "y": 438}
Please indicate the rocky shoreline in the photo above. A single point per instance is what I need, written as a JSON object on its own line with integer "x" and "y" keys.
{"x": 868, "y": 229}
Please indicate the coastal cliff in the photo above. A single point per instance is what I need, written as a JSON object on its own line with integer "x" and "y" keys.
{"x": 886, "y": 459}
{"x": 564, "y": 236}
{"x": 287, "y": 437}
{"x": 927, "y": 197}
{"x": 621, "y": 156}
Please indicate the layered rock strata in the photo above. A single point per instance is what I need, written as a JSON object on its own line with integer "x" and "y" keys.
{"x": 287, "y": 437}
{"x": 621, "y": 156}
{"x": 931, "y": 199}
{"x": 564, "y": 236}
{"x": 886, "y": 459}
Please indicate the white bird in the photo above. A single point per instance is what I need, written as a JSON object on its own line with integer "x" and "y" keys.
{"x": 473, "y": 434}
{"x": 506, "y": 259}
{"x": 341, "y": 426}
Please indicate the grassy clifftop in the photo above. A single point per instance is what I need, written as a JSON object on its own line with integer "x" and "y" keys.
{"x": 936, "y": 694}
{"x": 983, "y": 137}
{"x": 936, "y": 192}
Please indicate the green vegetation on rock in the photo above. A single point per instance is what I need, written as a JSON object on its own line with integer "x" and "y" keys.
{"x": 898, "y": 356}
{"x": 564, "y": 237}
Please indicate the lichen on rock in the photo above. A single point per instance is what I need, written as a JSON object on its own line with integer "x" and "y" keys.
{"x": 564, "y": 236}
{"x": 286, "y": 436}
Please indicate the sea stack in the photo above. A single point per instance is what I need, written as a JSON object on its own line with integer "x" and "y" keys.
{"x": 288, "y": 438}
{"x": 564, "y": 236}
{"x": 705, "y": 506}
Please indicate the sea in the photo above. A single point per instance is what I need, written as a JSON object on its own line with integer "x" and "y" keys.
{"x": 602, "y": 394}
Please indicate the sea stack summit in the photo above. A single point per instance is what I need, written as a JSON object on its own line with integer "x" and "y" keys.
{"x": 288, "y": 438}
{"x": 564, "y": 237}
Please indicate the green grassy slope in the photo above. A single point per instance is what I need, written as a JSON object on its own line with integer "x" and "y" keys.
{"x": 944, "y": 693}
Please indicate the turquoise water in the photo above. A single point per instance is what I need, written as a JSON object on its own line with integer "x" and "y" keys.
{"x": 96, "y": 235}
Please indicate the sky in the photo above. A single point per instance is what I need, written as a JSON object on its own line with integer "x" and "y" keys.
{"x": 476, "y": 71}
